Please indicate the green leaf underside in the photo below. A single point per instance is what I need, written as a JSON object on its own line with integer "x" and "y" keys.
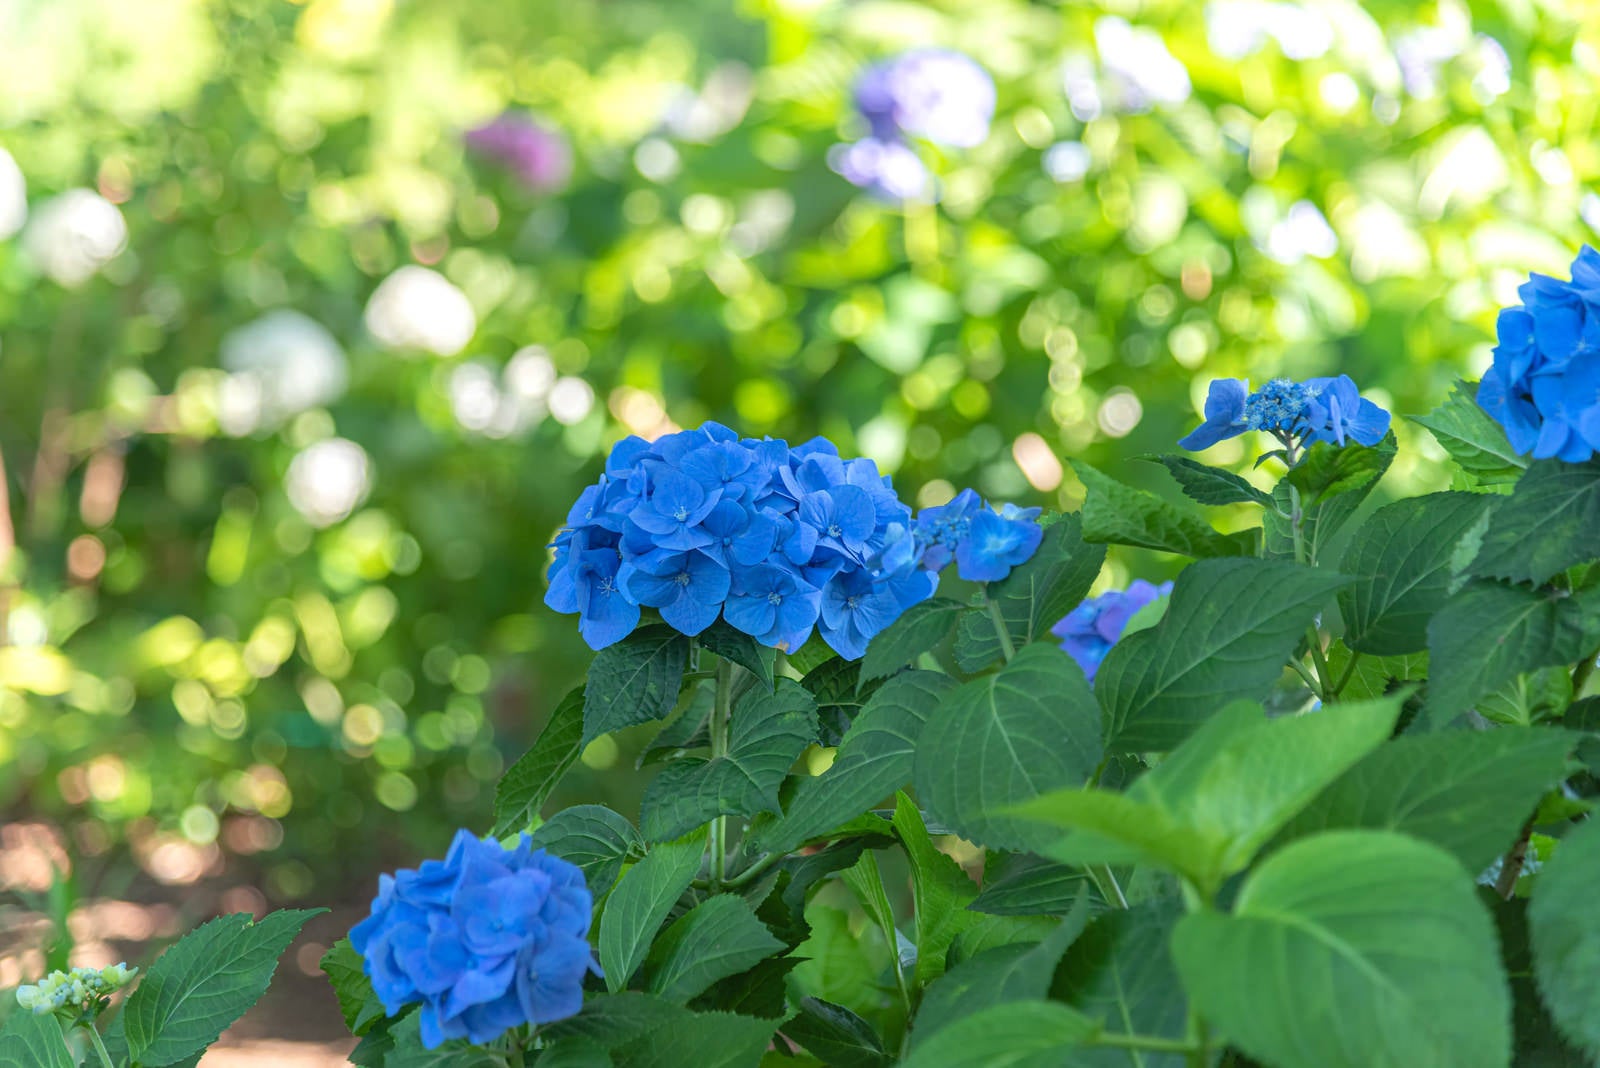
{"x": 204, "y": 982}
{"x": 1026, "y": 885}
{"x": 594, "y": 838}
{"x": 642, "y": 899}
{"x": 1119, "y": 514}
{"x": 1384, "y": 930}
{"x": 1472, "y": 438}
{"x": 1467, "y": 792}
{"x": 919, "y": 628}
{"x": 1211, "y": 485}
{"x": 1401, "y": 559}
{"x": 717, "y": 938}
{"x": 30, "y": 1041}
{"x": 527, "y": 784}
{"x": 740, "y": 648}
{"x": 1229, "y": 629}
{"x": 1550, "y": 522}
{"x": 1004, "y": 738}
{"x": 836, "y": 1036}
{"x": 1017, "y": 1034}
{"x": 769, "y": 731}
{"x": 875, "y": 759}
{"x": 1035, "y": 596}
{"x": 1488, "y": 633}
{"x": 1564, "y": 927}
{"x": 634, "y": 681}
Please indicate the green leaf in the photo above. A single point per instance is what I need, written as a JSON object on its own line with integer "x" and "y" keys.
{"x": 940, "y": 891}
{"x": 717, "y": 938}
{"x": 1024, "y": 885}
{"x": 1467, "y": 792}
{"x": 737, "y": 646}
{"x": 526, "y": 785}
{"x": 842, "y": 965}
{"x": 573, "y": 1055}
{"x": 1208, "y": 808}
{"x": 840, "y": 693}
{"x": 1210, "y": 485}
{"x": 875, "y": 759}
{"x": 1565, "y": 930}
{"x": 409, "y": 1052}
{"x": 1384, "y": 927}
{"x": 1004, "y": 738}
{"x": 612, "y": 1020}
{"x": 357, "y": 1002}
{"x": 768, "y": 733}
{"x": 1120, "y": 972}
{"x": 641, "y": 901}
{"x": 1035, "y": 596}
{"x": 1017, "y": 972}
{"x": 594, "y": 838}
{"x": 205, "y": 982}
{"x": 634, "y": 681}
{"x": 702, "y": 1040}
{"x": 836, "y": 1036}
{"x": 1017, "y": 1034}
{"x": 1228, "y": 632}
{"x": 1122, "y": 515}
{"x": 1489, "y": 633}
{"x": 1403, "y": 560}
{"x": 919, "y": 628}
{"x": 1550, "y": 523}
{"x": 1474, "y": 440}
{"x": 687, "y": 730}
{"x": 1375, "y": 676}
{"x": 30, "y": 1041}
{"x": 1333, "y": 482}
{"x": 865, "y": 880}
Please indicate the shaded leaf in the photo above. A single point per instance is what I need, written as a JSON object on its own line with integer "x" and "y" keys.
{"x": 840, "y": 693}
{"x": 642, "y": 899}
{"x": 919, "y": 628}
{"x": 940, "y": 891}
{"x": 1210, "y": 485}
{"x": 1474, "y": 440}
{"x": 737, "y": 646}
{"x": 1119, "y": 514}
{"x": 525, "y": 786}
{"x": 346, "y": 973}
{"x": 1550, "y": 523}
{"x": 594, "y": 838}
{"x": 717, "y": 938}
{"x": 836, "y": 1036}
{"x": 1017, "y": 1034}
{"x": 634, "y": 681}
{"x": 29, "y": 1041}
{"x": 1565, "y": 930}
{"x": 1120, "y": 971}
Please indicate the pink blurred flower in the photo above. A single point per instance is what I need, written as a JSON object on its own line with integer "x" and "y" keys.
{"x": 537, "y": 155}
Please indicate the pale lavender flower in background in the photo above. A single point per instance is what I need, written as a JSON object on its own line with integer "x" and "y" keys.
{"x": 888, "y": 168}
{"x": 537, "y": 155}
{"x": 932, "y": 93}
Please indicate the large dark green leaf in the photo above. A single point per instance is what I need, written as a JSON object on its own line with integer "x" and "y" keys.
{"x": 840, "y": 692}
{"x": 1474, "y": 440}
{"x": 634, "y": 681}
{"x": 836, "y": 1036}
{"x": 1403, "y": 560}
{"x": 940, "y": 892}
{"x": 740, "y": 648}
{"x": 768, "y": 733}
{"x": 30, "y": 1041}
{"x": 594, "y": 838}
{"x": 526, "y": 785}
{"x": 1119, "y": 514}
{"x": 1384, "y": 927}
{"x": 642, "y": 899}
{"x": 1025, "y": 885}
{"x": 1002, "y": 739}
{"x": 409, "y": 1052}
{"x": 1228, "y": 632}
{"x": 1467, "y": 792}
{"x": 919, "y": 628}
{"x": 1034, "y": 596}
{"x": 1565, "y": 929}
{"x": 1550, "y": 523}
{"x": 1120, "y": 971}
{"x": 1489, "y": 633}
{"x": 347, "y": 975}
{"x": 875, "y": 759}
{"x": 643, "y": 1031}
{"x": 1017, "y": 1034}
{"x": 1210, "y": 485}
{"x": 717, "y": 938}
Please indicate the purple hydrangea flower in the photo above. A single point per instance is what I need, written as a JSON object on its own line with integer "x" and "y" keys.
{"x": 1543, "y": 387}
{"x": 889, "y": 169}
{"x": 487, "y": 939}
{"x": 1089, "y": 631}
{"x": 537, "y": 155}
{"x": 936, "y": 94}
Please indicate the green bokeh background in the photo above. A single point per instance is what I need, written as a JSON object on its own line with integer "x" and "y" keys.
{"x": 216, "y": 675}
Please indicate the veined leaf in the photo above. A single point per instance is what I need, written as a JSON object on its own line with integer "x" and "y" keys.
{"x": 919, "y": 628}
{"x": 642, "y": 899}
{"x": 347, "y": 975}
{"x": 30, "y": 1041}
{"x": 634, "y": 681}
{"x": 1210, "y": 485}
{"x": 594, "y": 838}
{"x": 1119, "y": 514}
{"x": 717, "y": 938}
{"x": 1474, "y": 440}
{"x": 737, "y": 646}
{"x": 1565, "y": 930}
{"x": 1119, "y": 971}
{"x": 526, "y": 785}
{"x": 1551, "y": 522}
{"x": 836, "y": 1036}
{"x": 1332, "y": 483}
{"x": 940, "y": 891}
{"x": 1017, "y": 1034}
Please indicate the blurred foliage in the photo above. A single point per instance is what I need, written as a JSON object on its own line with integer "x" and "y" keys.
{"x": 188, "y": 658}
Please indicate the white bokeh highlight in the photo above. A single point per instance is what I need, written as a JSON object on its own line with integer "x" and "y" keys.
{"x": 72, "y": 235}
{"x": 279, "y": 365}
{"x": 418, "y": 309}
{"x": 326, "y": 481}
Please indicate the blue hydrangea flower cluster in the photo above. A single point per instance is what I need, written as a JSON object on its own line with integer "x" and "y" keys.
{"x": 1296, "y": 413}
{"x": 935, "y": 94}
{"x": 777, "y": 541}
{"x": 486, "y": 939}
{"x": 1544, "y": 384}
{"x": 1089, "y": 631}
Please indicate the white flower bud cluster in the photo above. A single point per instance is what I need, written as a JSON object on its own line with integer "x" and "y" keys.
{"x": 81, "y": 988}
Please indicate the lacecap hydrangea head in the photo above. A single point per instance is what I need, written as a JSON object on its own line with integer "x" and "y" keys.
{"x": 1090, "y": 630}
{"x": 1544, "y": 384}
{"x": 1302, "y": 413}
{"x": 80, "y": 990}
{"x": 777, "y": 541}
{"x": 486, "y": 940}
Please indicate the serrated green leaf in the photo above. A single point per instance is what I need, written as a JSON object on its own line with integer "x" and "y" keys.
{"x": 1550, "y": 522}
{"x": 1017, "y": 1034}
{"x": 204, "y": 982}
{"x": 919, "y": 628}
{"x": 1387, "y": 926}
{"x": 526, "y": 785}
{"x": 689, "y": 730}
{"x": 409, "y": 1052}
{"x": 836, "y": 1036}
{"x": 1474, "y": 440}
{"x": 701, "y": 1040}
{"x": 1119, "y": 514}
{"x": 1565, "y": 931}
{"x": 1004, "y": 738}
{"x": 737, "y": 646}
{"x": 840, "y": 693}
{"x": 1119, "y": 971}
{"x": 1374, "y": 676}
{"x": 575, "y": 1054}
{"x": 30, "y": 1041}
{"x": 875, "y": 758}
{"x": 1488, "y": 633}
{"x": 940, "y": 891}
{"x": 1467, "y": 792}
{"x": 841, "y": 965}
{"x": 634, "y": 681}
{"x": 1034, "y": 596}
{"x": 642, "y": 899}
{"x": 594, "y": 838}
{"x": 357, "y": 1002}
{"x": 1402, "y": 561}
{"x": 1333, "y": 483}
{"x": 1026, "y": 885}
{"x": 610, "y": 1020}
{"x": 1210, "y": 485}
{"x": 717, "y": 938}
{"x": 769, "y": 730}
{"x": 1229, "y": 630}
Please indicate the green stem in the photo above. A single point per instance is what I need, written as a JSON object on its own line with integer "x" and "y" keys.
{"x": 1110, "y": 889}
{"x": 717, "y": 842}
{"x": 1000, "y": 629}
{"x": 756, "y": 868}
{"x": 99, "y": 1046}
{"x": 1347, "y": 674}
{"x": 1310, "y": 679}
{"x": 1581, "y": 673}
{"x": 1199, "y": 1041}
{"x": 1319, "y": 661}
{"x": 1297, "y": 516}
{"x": 1152, "y": 1043}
